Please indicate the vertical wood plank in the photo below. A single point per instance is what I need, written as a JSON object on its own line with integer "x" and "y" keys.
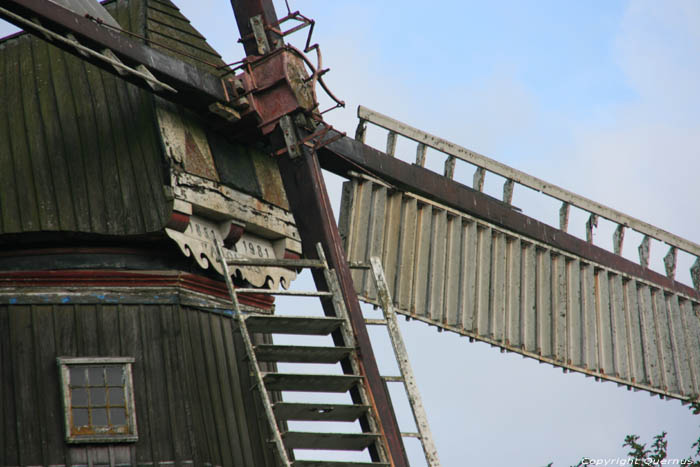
{"x": 26, "y": 194}
{"x": 375, "y": 236}
{"x": 528, "y": 297}
{"x": 468, "y": 281}
{"x": 213, "y": 454}
{"x": 691, "y": 326}
{"x": 513, "y": 285}
{"x": 199, "y": 436}
{"x": 218, "y": 325}
{"x": 619, "y": 327}
{"x": 544, "y": 302}
{"x": 574, "y": 314}
{"x": 360, "y": 236}
{"x": 114, "y": 209}
{"x": 83, "y": 140}
{"x": 650, "y": 339}
{"x": 174, "y": 397}
{"x": 590, "y": 320}
{"x": 141, "y": 134}
{"x": 131, "y": 344}
{"x": 391, "y": 241}
{"x": 129, "y": 196}
{"x": 54, "y": 134}
{"x": 605, "y": 338}
{"x": 438, "y": 250}
{"x": 453, "y": 270}
{"x": 235, "y": 378}
{"x": 48, "y": 385}
{"x": 107, "y": 316}
{"x": 261, "y": 453}
{"x": 406, "y": 255}
{"x": 421, "y": 265}
{"x": 498, "y": 287}
{"x": 559, "y": 307}
{"x": 212, "y": 384}
{"x": 483, "y": 280}
{"x": 152, "y": 338}
{"x": 681, "y": 351}
{"x": 9, "y": 450}
{"x": 10, "y": 219}
{"x": 634, "y": 320}
{"x": 666, "y": 351}
{"x": 345, "y": 217}
{"x": 28, "y": 419}
{"x": 36, "y": 144}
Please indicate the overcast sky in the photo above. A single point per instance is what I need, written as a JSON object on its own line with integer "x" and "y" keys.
{"x": 599, "y": 97}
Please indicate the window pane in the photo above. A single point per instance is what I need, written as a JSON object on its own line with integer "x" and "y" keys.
{"x": 99, "y": 417}
{"x": 116, "y": 396}
{"x": 77, "y": 376}
{"x": 96, "y": 376}
{"x": 114, "y": 376}
{"x": 78, "y": 396}
{"x": 117, "y": 416}
{"x": 80, "y": 417}
{"x": 98, "y": 397}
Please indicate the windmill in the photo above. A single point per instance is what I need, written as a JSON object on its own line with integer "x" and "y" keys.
{"x": 326, "y": 148}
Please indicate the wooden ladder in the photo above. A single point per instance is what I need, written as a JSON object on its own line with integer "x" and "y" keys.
{"x": 407, "y": 378}
{"x": 278, "y": 412}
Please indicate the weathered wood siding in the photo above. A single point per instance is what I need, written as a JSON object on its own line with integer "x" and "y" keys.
{"x": 78, "y": 147}
{"x": 193, "y": 403}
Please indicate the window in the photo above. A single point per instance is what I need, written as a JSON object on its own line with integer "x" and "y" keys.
{"x": 98, "y": 399}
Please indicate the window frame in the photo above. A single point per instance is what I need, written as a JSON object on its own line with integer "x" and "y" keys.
{"x": 64, "y": 366}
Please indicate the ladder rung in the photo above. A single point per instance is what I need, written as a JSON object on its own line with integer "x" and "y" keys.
{"x": 282, "y": 263}
{"x": 319, "y": 412}
{"x": 335, "y": 441}
{"x": 293, "y": 325}
{"x": 410, "y": 434}
{"x": 310, "y": 383}
{"x": 300, "y": 354}
{"x": 375, "y": 322}
{"x": 305, "y": 463}
{"x": 393, "y": 379}
{"x": 295, "y": 293}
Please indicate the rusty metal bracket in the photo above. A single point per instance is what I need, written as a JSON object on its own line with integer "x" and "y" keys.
{"x": 290, "y": 138}
{"x": 314, "y": 141}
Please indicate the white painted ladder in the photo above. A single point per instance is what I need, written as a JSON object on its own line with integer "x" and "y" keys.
{"x": 407, "y": 378}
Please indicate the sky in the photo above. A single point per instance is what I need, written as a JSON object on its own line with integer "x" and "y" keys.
{"x": 599, "y": 97}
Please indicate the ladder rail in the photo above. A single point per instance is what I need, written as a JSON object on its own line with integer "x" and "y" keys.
{"x": 409, "y": 381}
{"x": 374, "y": 422}
{"x": 253, "y": 361}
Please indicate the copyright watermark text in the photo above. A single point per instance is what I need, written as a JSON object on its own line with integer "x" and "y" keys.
{"x": 630, "y": 461}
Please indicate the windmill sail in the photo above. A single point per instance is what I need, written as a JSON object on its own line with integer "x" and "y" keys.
{"x": 488, "y": 272}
